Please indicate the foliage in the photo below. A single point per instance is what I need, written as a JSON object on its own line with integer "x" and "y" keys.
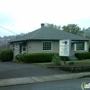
{"x": 83, "y": 55}
{"x": 52, "y": 26}
{"x": 19, "y": 57}
{"x": 73, "y": 28}
{"x": 35, "y": 58}
{"x": 87, "y": 32}
{"x": 56, "y": 59}
{"x": 6, "y": 55}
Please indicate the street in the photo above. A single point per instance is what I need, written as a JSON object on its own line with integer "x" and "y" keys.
{"x": 74, "y": 84}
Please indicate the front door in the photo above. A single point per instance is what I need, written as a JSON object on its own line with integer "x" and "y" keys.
{"x": 20, "y": 49}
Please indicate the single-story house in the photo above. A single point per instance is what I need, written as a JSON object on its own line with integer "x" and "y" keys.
{"x": 47, "y": 40}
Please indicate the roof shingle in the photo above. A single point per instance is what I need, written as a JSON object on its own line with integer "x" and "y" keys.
{"x": 45, "y": 33}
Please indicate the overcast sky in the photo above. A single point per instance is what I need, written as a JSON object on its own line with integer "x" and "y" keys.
{"x": 23, "y": 16}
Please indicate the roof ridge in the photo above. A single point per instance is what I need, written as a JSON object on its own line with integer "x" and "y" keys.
{"x": 36, "y": 33}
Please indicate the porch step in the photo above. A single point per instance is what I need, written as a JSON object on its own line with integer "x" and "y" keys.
{"x": 73, "y": 58}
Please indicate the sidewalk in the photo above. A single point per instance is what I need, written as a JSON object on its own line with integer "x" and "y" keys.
{"x": 38, "y": 79}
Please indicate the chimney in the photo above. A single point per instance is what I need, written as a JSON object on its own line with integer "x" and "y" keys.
{"x": 42, "y": 25}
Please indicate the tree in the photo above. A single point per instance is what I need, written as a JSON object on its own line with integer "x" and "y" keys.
{"x": 73, "y": 28}
{"x": 87, "y": 32}
{"x": 52, "y": 26}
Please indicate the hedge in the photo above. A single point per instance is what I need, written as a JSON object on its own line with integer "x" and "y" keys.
{"x": 83, "y": 55}
{"x": 35, "y": 58}
{"x": 6, "y": 55}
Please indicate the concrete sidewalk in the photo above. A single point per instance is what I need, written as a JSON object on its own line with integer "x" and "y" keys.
{"x": 38, "y": 79}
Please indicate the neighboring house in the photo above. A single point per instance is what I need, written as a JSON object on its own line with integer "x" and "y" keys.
{"x": 46, "y": 40}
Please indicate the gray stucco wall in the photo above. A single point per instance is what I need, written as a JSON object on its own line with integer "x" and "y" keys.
{"x": 37, "y": 47}
{"x": 16, "y": 48}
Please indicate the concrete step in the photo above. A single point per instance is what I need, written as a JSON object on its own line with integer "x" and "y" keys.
{"x": 73, "y": 58}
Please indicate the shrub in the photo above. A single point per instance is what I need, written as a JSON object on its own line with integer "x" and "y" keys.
{"x": 6, "y": 55}
{"x": 35, "y": 58}
{"x": 19, "y": 57}
{"x": 83, "y": 55}
{"x": 56, "y": 59}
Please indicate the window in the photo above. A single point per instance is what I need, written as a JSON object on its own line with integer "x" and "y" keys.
{"x": 24, "y": 48}
{"x": 47, "y": 45}
{"x": 80, "y": 46}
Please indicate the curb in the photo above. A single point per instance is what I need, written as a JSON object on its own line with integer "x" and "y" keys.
{"x": 28, "y": 80}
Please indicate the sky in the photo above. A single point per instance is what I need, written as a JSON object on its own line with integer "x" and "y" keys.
{"x": 23, "y": 16}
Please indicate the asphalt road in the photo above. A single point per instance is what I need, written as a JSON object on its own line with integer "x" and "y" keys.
{"x": 74, "y": 84}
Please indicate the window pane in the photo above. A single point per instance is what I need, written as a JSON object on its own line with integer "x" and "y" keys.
{"x": 46, "y": 45}
{"x": 24, "y": 48}
{"x": 80, "y": 46}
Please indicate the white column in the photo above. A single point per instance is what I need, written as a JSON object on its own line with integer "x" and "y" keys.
{"x": 85, "y": 46}
{"x": 75, "y": 47}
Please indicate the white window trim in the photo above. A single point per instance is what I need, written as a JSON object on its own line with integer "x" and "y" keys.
{"x": 51, "y": 45}
{"x": 16, "y": 46}
{"x": 23, "y": 52}
{"x": 13, "y": 46}
{"x": 85, "y": 47}
{"x": 75, "y": 47}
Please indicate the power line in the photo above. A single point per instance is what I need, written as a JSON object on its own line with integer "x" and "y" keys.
{"x": 8, "y": 30}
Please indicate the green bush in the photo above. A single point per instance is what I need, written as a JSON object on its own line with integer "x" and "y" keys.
{"x": 6, "y": 55}
{"x": 35, "y": 58}
{"x": 83, "y": 55}
{"x": 19, "y": 57}
{"x": 56, "y": 59}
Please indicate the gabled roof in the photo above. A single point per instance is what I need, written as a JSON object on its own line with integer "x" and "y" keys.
{"x": 45, "y": 33}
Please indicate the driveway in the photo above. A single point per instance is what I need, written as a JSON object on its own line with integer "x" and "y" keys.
{"x": 16, "y": 70}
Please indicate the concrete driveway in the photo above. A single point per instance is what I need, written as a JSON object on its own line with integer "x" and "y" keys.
{"x": 16, "y": 70}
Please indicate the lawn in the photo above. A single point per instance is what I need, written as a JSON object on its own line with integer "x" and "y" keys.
{"x": 76, "y": 62}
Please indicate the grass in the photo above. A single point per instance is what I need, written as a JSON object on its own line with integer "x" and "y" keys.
{"x": 45, "y": 63}
{"x": 67, "y": 62}
{"x": 80, "y": 61}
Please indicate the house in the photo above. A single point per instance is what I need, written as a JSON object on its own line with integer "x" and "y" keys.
{"x": 47, "y": 40}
